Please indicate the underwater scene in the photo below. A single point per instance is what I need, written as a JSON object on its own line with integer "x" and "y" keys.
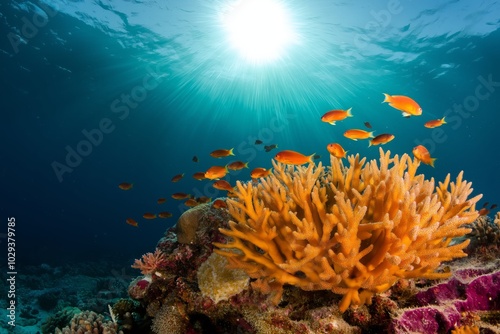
{"x": 250, "y": 166}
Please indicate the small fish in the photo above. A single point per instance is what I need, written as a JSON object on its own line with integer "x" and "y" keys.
{"x": 132, "y": 222}
{"x": 368, "y": 125}
{"x": 269, "y": 148}
{"x": 195, "y": 158}
{"x": 177, "y": 177}
{"x": 435, "y": 123}
{"x": 356, "y": 134}
{"x": 219, "y": 204}
{"x": 403, "y": 103}
{"x": 336, "y": 150}
{"x": 149, "y": 215}
{"x": 222, "y": 185}
{"x": 493, "y": 206}
{"x": 222, "y": 153}
{"x": 422, "y": 154}
{"x": 191, "y": 202}
{"x": 382, "y": 139}
{"x": 258, "y": 142}
{"x": 486, "y": 204}
{"x": 203, "y": 199}
{"x": 216, "y": 172}
{"x": 317, "y": 156}
{"x": 125, "y": 186}
{"x": 259, "y": 172}
{"x": 237, "y": 165}
{"x": 333, "y": 116}
{"x": 484, "y": 212}
{"x": 161, "y": 200}
{"x": 165, "y": 214}
{"x": 199, "y": 176}
{"x": 293, "y": 158}
{"x": 180, "y": 196}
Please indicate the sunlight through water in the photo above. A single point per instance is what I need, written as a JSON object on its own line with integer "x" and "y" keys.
{"x": 259, "y": 30}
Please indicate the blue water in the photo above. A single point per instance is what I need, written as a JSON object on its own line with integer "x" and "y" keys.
{"x": 67, "y": 68}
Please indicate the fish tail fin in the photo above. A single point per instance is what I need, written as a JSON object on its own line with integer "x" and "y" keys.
{"x": 387, "y": 98}
{"x": 231, "y": 151}
{"x": 332, "y": 122}
{"x": 371, "y": 134}
{"x": 432, "y": 161}
{"x": 310, "y": 158}
{"x": 370, "y": 143}
{"x": 349, "y": 113}
{"x": 246, "y": 165}
{"x": 443, "y": 120}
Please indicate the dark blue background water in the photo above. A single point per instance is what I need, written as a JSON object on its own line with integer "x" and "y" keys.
{"x": 72, "y": 72}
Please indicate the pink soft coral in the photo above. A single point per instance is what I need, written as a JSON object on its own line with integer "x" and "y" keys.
{"x": 150, "y": 262}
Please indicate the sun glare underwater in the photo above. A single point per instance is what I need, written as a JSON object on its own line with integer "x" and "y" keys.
{"x": 340, "y": 156}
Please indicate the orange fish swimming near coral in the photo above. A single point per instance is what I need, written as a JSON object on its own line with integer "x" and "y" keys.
{"x": 333, "y": 116}
{"x": 191, "y": 202}
{"x": 222, "y": 153}
{"x": 161, "y": 200}
{"x": 132, "y": 222}
{"x": 222, "y": 185}
{"x": 165, "y": 214}
{"x": 180, "y": 196}
{"x": 199, "y": 176}
{"x": 125, "y": 186}
{"x": 216, "y": 172}
{"x": 435, "y": 123}
{"x": 177, "y": 177}
{"x": 149, "y": 215}
{"x": 293, "y": 158}
{"x": 356, "y": 134}
{"x": 237, "y": 165}
{"x": 382, "y": 139}
{"x": 403, "y": 103}
{"x": 259, "y": 172}
{"x": 336, "y": 150}
{"x": 422, "y": 154}
{"x": 219, "y": 204}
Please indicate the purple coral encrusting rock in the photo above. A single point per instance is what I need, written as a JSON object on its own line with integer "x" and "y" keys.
{"x": 440, "y": 307}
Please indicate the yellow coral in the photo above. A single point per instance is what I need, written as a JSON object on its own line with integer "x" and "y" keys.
{"x": 354, "y": 230}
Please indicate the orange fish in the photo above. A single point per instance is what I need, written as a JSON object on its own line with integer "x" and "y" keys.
{"x": 203, "y": 199}
{"x": 293, "y": 158}
{"x": 191, "y": 202}
{"x": 177, "y": 178}
{"x": 422, "y": 154}
{"x": 222, "y": 153}
{"x": 199, "y": 176}
{"x": 132, "y": 222}
{"x": 259, "y": 172}
{"x": 336, "y": 150}
{"x": 149, "y": 215}
{"x": 125, "y": 186}
{"x": 222, "y": 185}
{"x": 333, "y": 116}
{"x": 216, "y": 172}
{"x": 180, "y": 196}
{"x": 237, "y": 165}
{"x": 484, "y": 212}
{"x": 435, "y": 123}
{"x": 382, "y": 139}
{"x": 403, "y": 103}
{"x": 356, "y": 134}
{"x": 164, "y": 214}
{"x": 161, "y": 200}
{"x": 219, "y": 204}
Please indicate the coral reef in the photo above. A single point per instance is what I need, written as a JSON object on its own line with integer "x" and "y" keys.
{"x": 89, "y": 322}
{"x": 484, "y": 238}
{"x": 354, "y": 230}
{"x": 217, "y": 281}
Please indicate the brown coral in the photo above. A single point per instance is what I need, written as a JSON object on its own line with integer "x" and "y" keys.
{"x": 354, "y": 230}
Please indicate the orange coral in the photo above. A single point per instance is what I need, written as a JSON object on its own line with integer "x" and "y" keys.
{"x": 354, "y": 230}
{"x": 149, "y": 262}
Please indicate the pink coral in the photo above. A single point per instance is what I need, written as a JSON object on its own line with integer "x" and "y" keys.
{"x": 150, "y": 262}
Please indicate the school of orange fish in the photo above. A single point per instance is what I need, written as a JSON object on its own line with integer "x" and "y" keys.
{"x": 405, "y": 104}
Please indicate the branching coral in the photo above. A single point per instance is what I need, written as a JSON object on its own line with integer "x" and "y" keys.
{"x": 150, "y": 262}
{"x": 354, "y": 230}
